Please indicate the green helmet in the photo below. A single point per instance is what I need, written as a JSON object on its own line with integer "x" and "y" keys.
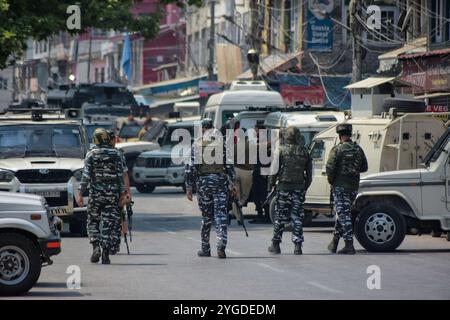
{"x": 101, "y": 137}
{"x": 207, "y": 123}
{"x": 292, "y": 135}
{"x": 344, "y": 128}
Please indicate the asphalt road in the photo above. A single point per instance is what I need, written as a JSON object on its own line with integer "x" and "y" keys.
{"x": 163, "y": 264}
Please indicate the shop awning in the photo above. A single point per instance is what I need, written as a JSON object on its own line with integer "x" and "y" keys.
{"x": 168, "y": 86}
{"x": 372, "y": 82}
{"x": 425, "y": 54}
{"x": 278, "y": 62}
{"x": 389, "y": 59}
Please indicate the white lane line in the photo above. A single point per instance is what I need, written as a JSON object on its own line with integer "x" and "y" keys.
{"x": 234, "y": 252}
{"x": 193, "y": 239}
{"x": 321, "y": 286}
{"x": 168, "y": 231}
{"x": 262, "y": 264}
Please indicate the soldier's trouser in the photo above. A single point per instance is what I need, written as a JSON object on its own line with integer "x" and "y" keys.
{"x": 244, "y": 181}
{"x": 343, "y": 201}
{"x": 103, "y": 216}
{"x": 289, "y": 207}
{"x": 117, "y": 232}
{"x": 212, "y": 194}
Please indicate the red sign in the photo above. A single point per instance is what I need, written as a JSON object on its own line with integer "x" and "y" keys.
{"x": 435, "y": 108}
{"x": 428, "y": 73}
{"x": 312, "y": 95}
{"x": 206, "y": 88}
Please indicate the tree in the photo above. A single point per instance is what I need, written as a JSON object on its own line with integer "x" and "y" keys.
{"x": 21, "y": 20}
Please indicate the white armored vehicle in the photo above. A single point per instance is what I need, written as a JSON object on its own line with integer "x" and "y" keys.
{"x": 392, "y": 204}
{"x": 28, "y": 238}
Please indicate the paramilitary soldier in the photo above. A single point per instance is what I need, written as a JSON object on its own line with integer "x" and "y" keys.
{"x": 294, "y": 178}
{"x": 345, "y": 163}
{"x": 103, "y": 176}
{"x": 213, "y": 182}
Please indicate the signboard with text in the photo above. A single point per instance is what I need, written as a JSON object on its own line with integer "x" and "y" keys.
{"x": 320, "y": 26}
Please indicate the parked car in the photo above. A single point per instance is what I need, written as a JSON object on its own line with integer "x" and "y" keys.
{"x": 29, "y": 237}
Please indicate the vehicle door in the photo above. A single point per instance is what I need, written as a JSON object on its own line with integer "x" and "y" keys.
{"x": 319, "y": 191}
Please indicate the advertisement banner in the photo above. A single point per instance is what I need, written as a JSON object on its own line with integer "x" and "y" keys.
{"x": 320, "y": 26}
{"x": 308, "y": 95}
{"x": 207, "y": 88}
{"x": 430, "y": 74}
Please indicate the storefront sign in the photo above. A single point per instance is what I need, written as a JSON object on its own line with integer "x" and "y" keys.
{"x": 320, "y": 26}
{"x": 308, "y": 95}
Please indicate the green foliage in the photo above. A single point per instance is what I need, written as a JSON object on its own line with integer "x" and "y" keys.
{"x": 38, "y": 19}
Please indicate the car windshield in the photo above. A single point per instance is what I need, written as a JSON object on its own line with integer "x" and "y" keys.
{"x": 63, "y": 141}
{"x": 130, "y": 131}
{"x": 167, "y": 139}
{"x": 308, "y": 135}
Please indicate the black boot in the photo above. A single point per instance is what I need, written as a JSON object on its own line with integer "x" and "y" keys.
{"x": 105, "y": 257}
{"x": 221, "y": 253}
{"x": 202, "y": 253}
{"x": 332, "y": 247}
{"x": 348, "y": 248}
{"x": 298, "y": 249}
{"x": 275, "y": 248}
{"x": 97, "y": 252}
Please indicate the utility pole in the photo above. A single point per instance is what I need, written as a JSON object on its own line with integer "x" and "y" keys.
{"x": 354, "y": 9}
{"x": 212, "y": 42}
{"x": 255, "y": 30}
{"x": 89, "y": 57}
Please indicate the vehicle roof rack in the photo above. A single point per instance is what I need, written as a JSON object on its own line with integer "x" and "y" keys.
{"x": 36, "y": 114}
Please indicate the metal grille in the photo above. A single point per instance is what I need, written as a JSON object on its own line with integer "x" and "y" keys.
{"x": 58, "y": 202}
{"x": 39, "y": 176}
{"x": 157, "y": 162}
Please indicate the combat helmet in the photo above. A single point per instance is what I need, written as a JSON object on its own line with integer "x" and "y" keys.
{"x": 101, "y": 137}
{"x": 344, "y": 128}
{"x": 207, "y": 123}
{"x": 292, "y": 135}
{"x": 112, "y": 137}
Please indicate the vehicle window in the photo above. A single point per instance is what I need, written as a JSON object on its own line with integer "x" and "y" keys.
{"x": 228, "y": 115}
{"x": 317, "y": 150}
{"x": 167, "y": 139}
{"x": 129, "y": 131}
{"x": 41, "y": 141}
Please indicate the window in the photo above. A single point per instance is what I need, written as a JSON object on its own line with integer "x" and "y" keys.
{"x": 389, "y": 19}
{"x": 317, "y": 150}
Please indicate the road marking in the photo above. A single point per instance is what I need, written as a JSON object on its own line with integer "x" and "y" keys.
{"x": 168, "y": 231}
{"x": 321, "y": 286}
{"x": 262, "y": 264}
{"x": 193, "y": 239}
{"x": 234, "y": 252}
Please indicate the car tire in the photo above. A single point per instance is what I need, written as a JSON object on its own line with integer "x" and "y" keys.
{"x": 24, "y": 261}
{"x": 436, "y": 234}
{"x": 380, "y": 228}
{"x": 145, "y": 188}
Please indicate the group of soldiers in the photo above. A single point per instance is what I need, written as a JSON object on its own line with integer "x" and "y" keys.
{"x": 106, "y": 179}
{"x": 215, "y": 184}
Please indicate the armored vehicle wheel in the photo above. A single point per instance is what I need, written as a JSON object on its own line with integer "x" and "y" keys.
{"x": 380, "y": 228}
{"x": 436, "y": 234}
{"x": 20, "y": 264}
{"x": 145, "y": 188}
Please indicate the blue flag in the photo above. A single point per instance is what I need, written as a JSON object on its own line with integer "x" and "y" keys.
{"x": 126, "y": 58}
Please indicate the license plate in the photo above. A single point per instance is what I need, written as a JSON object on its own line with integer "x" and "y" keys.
{"x": 48, "y": 194}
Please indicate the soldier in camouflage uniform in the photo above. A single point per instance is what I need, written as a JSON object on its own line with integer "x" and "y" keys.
{"x": 294, "y": 178}
{"x": 213, "y": 182}
{"x": 103, "y": 176}
{"x": 345, "y": 163}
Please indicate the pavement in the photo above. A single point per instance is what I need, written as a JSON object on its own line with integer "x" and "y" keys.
{"x": 163, "y": 263}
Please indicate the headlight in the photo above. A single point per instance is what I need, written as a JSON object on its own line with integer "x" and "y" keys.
{"x": 176, "y": 162}
{"x": 78, "y": 174}
{"x": 140, "y": 162}
{"x": 6, "y": 175}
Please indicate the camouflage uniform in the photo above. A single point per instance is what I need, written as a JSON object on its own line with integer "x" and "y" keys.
{"x": 118, "y": 223}
{"x": 294, "y": 178}
{"x": 345, "y": 163}
{"x": 212, "y": 183}
{"x": 103, "y": 176}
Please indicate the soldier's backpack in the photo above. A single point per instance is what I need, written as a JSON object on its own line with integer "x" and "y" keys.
{"x": 105, "y": 165}
{"x": 350, "y": 158}
{"x": 294, "y": 161}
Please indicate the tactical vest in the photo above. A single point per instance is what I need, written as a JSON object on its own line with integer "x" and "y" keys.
{"x": 292, "y": 169}
{"x": 206, "y": 168}
{"x": 350, "y": 159}
{"x": 105, "y": 165}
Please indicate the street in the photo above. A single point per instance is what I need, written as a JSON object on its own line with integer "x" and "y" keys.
{"x": 163, "y": 263}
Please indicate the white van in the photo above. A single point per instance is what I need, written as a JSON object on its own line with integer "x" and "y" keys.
{"x": 224, "y": 106}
